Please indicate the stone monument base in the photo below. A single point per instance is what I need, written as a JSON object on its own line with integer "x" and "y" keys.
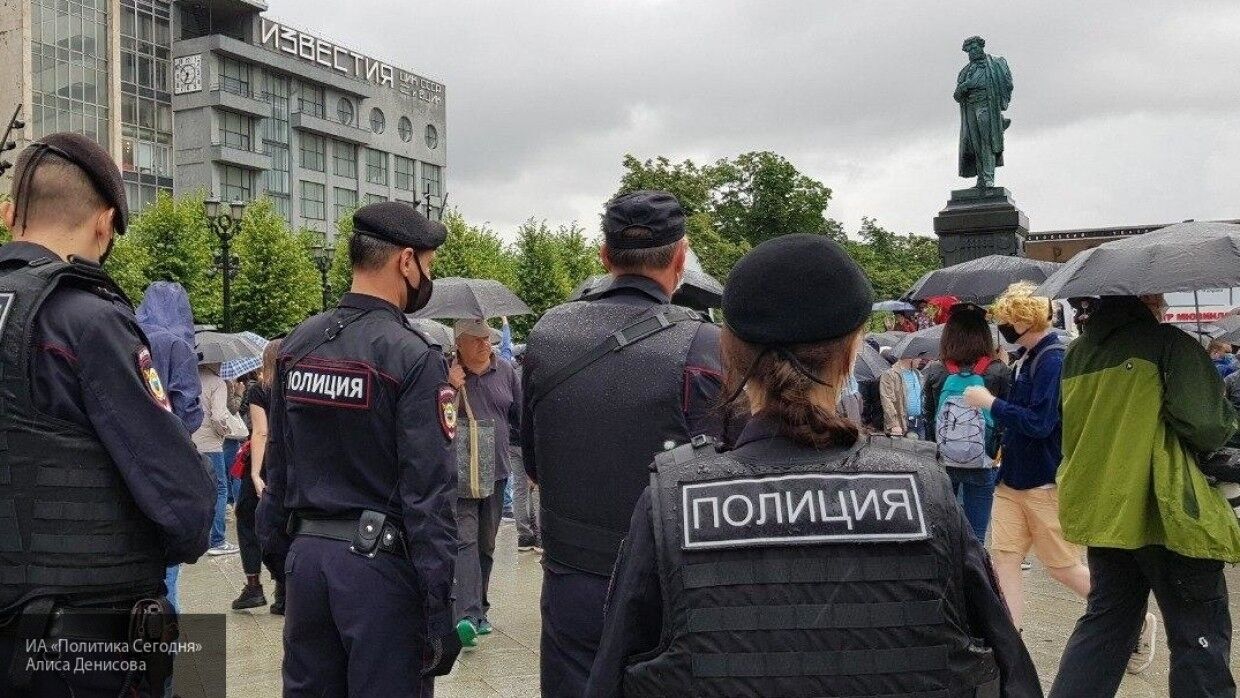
{"x": 980, "y": 221}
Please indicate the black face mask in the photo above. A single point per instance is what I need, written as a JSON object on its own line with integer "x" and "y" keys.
{"x": 417, "y": 298}
{"x": 1010, "y": 335}
{"x": 107, "y": 251}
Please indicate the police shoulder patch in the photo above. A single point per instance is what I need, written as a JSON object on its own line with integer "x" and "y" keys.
{"x": 802, "y": 509}
{"x": 150, "y": 378}
{"x": 447, "y": 411}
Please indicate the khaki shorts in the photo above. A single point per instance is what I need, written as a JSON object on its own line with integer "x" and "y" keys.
{"x": 1024, "y": 519}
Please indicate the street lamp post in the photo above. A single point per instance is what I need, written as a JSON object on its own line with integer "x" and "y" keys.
{"x": 323, "y": 254}
{"x": 225, "y": 224}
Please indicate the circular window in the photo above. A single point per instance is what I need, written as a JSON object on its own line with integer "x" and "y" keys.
{"x": 432, "y": 136}
{"x": 405, "y": 126}
{"x": 344, "y": 111}
{"x": 378, "y": 122}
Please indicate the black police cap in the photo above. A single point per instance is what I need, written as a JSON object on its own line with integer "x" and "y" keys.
{"x": 92, "y": 159}
{"x": 796, "y": 289}
{"x": 400, "y": 224}
{"x": 656, "y": 214}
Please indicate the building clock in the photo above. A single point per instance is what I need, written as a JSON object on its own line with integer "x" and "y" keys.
{"x": 187, "y": 74}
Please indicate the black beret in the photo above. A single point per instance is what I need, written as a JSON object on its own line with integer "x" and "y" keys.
{"x": 96, "y": 163}
{"x": 399, "y": 223}
{"x": 796, "y": 289}
{"x": 655, "y": 211}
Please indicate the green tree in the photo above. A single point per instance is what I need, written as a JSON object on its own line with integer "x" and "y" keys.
{"x": 474, "y": 252}
{"x": 580, "y": 254}
{"x": 893, "y": 262}
{"x": 761, "y": 195}
{"x": 128, "y": 266}
{"x": 691, "y": 184}
{"x": 542, "y": 280}
{"x": 717, "y": 254}
{"x": 277, "y": 284}
{"x": 179, "y": 247}
{"x": 340, "y": 276}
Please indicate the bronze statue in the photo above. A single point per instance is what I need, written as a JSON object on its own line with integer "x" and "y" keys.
{"x": 983, "y": 89}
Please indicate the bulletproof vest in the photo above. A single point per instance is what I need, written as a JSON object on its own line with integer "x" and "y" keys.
{"x": 597, "y": 432}
{"x": 791, "y": 572}
{"x": 68, "y": 525}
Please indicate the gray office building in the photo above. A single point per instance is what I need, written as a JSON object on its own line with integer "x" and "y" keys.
{"x": 214, "y": 96}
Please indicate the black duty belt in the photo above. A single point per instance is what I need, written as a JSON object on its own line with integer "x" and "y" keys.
{"x": 367, "y": 535}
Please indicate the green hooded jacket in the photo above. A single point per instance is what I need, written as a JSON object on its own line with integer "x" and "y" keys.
{"x": 1140, "y": 401}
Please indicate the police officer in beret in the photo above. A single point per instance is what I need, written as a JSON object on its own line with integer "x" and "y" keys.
{"x": 610, "y": 380}
{"x": 808, "y": 561}
{"x": 362, "y": 477}
{"x": 101, "y": 487}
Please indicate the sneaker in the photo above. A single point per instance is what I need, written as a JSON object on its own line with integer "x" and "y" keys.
{"x": 277, "y": 605}
{"x": 525, "y": 543}
{"x": 484, "y": 627}
{"x": 224, "y": 548}
{"x": 467, "y": 633}
{"x": 251, "y": 597}
{"x": 1143, "y": 656}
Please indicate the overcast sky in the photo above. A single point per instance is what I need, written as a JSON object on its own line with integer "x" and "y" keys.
{"x": 1123, "y": 112}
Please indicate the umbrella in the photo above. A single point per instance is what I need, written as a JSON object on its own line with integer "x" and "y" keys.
{"x": 922, "y": 344}
{"x": 893, "y": 307}
{"x": 442, "y": 333}
{"x": 981, "y": 280}
{"x": 459, "y": 298}
{"x": 217, "y": 347}
{"x": 1182, "y": 257}
{"x": 890, "y": 338}
{"x": 232, "y": 370}
{"x": 870, "y": 364}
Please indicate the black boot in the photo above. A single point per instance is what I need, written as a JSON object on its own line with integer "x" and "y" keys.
{"x": 277, "y": 606}
{"x": 251, "y": 597}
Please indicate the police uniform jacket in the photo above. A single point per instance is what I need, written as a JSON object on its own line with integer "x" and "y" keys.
{"x": 644, "y": 636}
{"x": 364, "y": 421}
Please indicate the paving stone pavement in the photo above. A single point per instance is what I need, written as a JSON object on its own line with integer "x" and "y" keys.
{"x": 506, "y": 663}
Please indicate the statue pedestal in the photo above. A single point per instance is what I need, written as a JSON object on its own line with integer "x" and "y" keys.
{"x": 978, "y": 222}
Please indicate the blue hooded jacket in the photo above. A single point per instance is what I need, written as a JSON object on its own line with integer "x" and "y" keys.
{"x": 168, "y": 322}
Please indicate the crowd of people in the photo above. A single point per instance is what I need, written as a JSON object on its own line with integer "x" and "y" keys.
{"x": 720, "y": 512}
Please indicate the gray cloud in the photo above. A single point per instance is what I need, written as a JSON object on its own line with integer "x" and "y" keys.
{"x": 1123, "y": 112}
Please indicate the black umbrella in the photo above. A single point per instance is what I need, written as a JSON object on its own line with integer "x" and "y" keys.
{"x": 922, "y": 344}
{"x": 870, "y": 364}
{"x": 458, "y": 298}
{"x": 981, "y": 280}
{"x": 890, "y": 338}
{"x": 1182, "y": 257}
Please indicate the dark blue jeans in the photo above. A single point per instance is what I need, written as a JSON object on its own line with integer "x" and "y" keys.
{"x": 218, "y": 525}
{"x": 975, "y": 490}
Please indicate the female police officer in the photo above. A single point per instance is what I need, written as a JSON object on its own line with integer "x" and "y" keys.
{"x": 806, "y": 562}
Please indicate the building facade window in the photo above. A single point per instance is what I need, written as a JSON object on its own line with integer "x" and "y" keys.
{"x": 313, "y": 203}
{"x": 404, "y": 173}
{"x": 376, "y": 167}
{"x": 375, "y": 199}
{"x": 378, "y": 122}
{"x": 346, "y": 202}
{"x": 282, "y": 205}
{"x": 432, "y": 136}
{"x": 432, "y": 184}
{"x": 276, "y": 139}
{"x": 312, "y": 100}
{"x": 344, "y": 111}
{"x": 344, "y": 159}
{"x": 146, "y": 101}
{"x": 236, "y": 130}
{"x": 69, "y": 68}
{"x": 405, "y": 128}
{"x": 235, "y": 76}
{"x": 313, "y": 152}
{"x": 236, "y": 184}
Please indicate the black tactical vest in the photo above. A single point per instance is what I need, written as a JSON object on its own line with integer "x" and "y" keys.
{"x": 793, "y": 573}
{"x": 596, "y": 433}
{"x": 68, "y": 525}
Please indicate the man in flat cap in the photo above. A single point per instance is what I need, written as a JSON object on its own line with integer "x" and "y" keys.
{"x": 610, "y": 380}
{"x": 101, "y": 487}
{"x": 361, "y": 474}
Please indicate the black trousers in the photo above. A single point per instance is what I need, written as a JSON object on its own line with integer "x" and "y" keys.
{"x": 1192, "y": 595}
{"x": 572, "y": 627}
{"x": 247, "y": 537}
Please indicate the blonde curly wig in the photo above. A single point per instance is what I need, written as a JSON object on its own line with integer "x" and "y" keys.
{"x": 1018, "y": 305}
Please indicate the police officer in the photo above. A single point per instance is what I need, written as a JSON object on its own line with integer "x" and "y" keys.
{"x": 100, "y": 486}
{"x": 610, "y": 380}
{"x": 806, "y": 562}
{"x": 361, "y": 474}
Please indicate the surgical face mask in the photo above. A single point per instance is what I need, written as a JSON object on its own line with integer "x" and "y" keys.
{"x": 1010, "y": 334}
{"x": 417, "y": 298}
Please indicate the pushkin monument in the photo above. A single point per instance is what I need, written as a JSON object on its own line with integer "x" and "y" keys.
{"x": 983, "y": 219}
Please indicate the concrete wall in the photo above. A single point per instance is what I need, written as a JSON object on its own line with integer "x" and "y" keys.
{"x": 15, "y": 78}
